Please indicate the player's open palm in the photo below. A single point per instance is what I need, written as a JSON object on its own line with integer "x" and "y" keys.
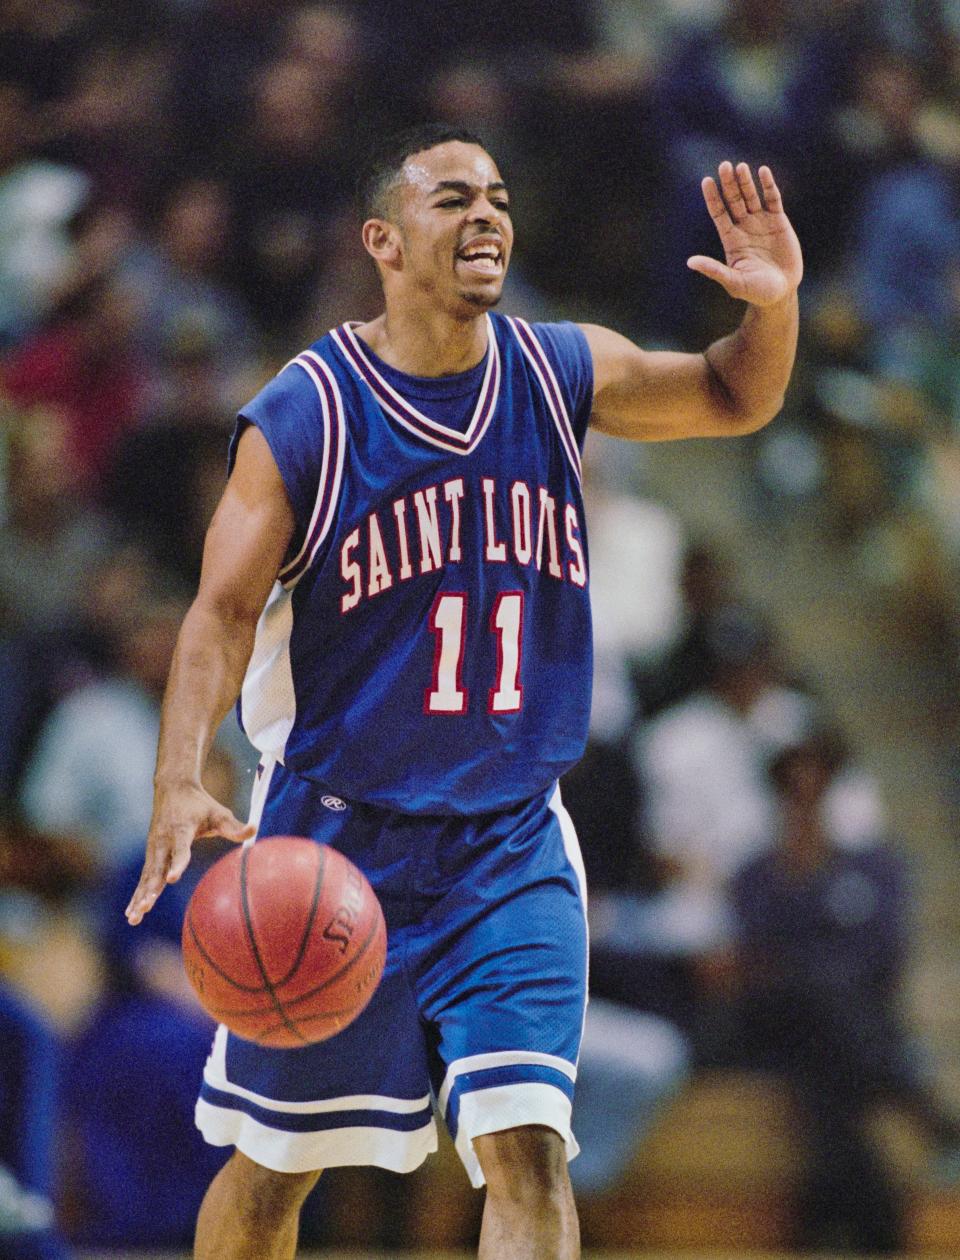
{"x": 181, "y": 815}
{"x": 763, "y": 263}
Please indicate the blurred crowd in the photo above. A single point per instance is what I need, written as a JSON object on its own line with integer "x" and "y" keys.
{"x": 177, "y": 220}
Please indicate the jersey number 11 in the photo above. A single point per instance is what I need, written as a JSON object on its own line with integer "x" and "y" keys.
{"x": 448, "y": 621}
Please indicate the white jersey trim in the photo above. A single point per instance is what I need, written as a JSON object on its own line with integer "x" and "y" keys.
{"x": 414, "y": 421}
{"x": 331, "y": 467}
{"x": 268, "y": 702}
{"x": 543, "y": 370}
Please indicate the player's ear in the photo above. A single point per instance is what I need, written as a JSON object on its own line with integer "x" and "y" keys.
{"x": 381, "y": 240}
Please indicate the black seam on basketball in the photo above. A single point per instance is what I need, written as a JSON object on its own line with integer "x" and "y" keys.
{"x": 223, "y": 1014}
{"x": 215, "y": 966}
{"x": 303, "y": 997}
{"x": 305, "y": 1019}
{"x": 317, "y": 887}
{"x": 248, "y": 921}
{"x": 269, "y": 1031}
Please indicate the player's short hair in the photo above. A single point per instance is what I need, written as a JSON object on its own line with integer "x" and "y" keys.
{"x": 382, "y": 168}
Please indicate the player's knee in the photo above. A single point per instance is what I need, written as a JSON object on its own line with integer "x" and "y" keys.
{"x": 524, "y": 1164}
{"x": 262, "y": 1194}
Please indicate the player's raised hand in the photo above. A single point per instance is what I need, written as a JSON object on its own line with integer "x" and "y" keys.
{"x": 763, "y": 259}
{"x": 181, "y": 815}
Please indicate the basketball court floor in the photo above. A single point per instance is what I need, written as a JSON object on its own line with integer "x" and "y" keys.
{"x": 463, "y": 1255}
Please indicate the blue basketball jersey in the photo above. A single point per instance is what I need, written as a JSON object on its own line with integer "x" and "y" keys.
{"x": 427, "y": 645}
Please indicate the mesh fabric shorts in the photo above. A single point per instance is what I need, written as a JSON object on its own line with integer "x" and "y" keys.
{"x": 480, "y": 1010}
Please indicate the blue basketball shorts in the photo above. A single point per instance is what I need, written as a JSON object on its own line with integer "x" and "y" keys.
{"x": 479, "y": 1014}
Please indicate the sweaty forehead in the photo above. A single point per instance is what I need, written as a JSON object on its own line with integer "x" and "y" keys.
{"x": 455, "y": 160}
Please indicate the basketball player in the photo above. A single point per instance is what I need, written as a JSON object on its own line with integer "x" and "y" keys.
{"x": 395, "y": 585}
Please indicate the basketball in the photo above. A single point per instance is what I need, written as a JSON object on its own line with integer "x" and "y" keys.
{"x": 284, "y": 941}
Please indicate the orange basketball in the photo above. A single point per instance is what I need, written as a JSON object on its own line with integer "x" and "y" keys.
{"x": 284, "y": 941}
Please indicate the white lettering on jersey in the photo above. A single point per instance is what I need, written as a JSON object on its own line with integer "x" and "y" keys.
{"x": 453, "y": 493}
{"x": 495, "y": 551}
{"x": 577, "y": 568}
{"x": 448, "y": 621}
{"x": 425, "y": 501}
{"x": 400, "y": 512}
{"x": 506, "y": 621}
{"x": 548, "y": 523}
{"x": 445, "y": 539}
{"x": 520, "y": 508}
{"x": 379, "y": 577}
{"x": 350, "y": 572}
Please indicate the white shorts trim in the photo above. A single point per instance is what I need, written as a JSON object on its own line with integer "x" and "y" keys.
{"x": 215, "y": 1075}
{"x": 510, "y": 1107}
{"x": 308, "y": 1152}
{"x": 498, "y": 1058}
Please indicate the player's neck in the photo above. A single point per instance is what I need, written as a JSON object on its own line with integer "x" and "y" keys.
{"x": 427, "y": 344}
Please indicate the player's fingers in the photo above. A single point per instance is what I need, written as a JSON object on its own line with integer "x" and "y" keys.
{"x": 748, "y": 188}
{"x": 715, "y": 204}
{"x": 731, "y": 191}
{"x": 771, "y": 193}
{"x": 183, "y": 838}
{"x": 152, "y": 882}
{"x": 715, "y": 270}
{"x": 223, "y": 823}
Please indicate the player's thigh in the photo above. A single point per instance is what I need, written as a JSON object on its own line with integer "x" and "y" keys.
{"x": 363, "y": 1097}
{"x": 502, "y": 984}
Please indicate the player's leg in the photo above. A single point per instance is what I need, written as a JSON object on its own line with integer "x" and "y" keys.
{"x": 529, "y": 1213}
{"x": 501, "y": 979}
{"x": 363, "y": 1097}
{"x": 251, "y": 1213}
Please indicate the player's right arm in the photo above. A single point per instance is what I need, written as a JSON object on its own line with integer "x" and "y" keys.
{"x": 245, "y": 547}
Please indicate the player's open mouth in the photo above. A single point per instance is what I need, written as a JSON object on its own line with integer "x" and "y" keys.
{"x": 482, "y": 256}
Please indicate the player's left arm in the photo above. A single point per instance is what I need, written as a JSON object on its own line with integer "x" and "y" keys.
{"x": 738, "y": 384}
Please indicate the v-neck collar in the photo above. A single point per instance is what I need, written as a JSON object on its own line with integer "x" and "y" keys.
{"x": 399, "y": 409}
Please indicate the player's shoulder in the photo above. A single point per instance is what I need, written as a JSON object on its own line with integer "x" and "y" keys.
{"x": 566, "y": 350}
{"x": 562, "y": 338}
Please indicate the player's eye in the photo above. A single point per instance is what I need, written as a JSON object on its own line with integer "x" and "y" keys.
{"x": 450, "y": 202}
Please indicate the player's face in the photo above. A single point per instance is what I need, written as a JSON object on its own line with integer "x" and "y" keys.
{"x": 454, "y": 221}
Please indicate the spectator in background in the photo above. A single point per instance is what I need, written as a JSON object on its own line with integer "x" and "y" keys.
{"x": 822, "y": 941}
{"x": 181, "y": 445}
{"x": 125, "y": 1116}
{"x": 37, "y": 199}
{"x": 85, "y": 365}
{"x": 755, "y": 82}
{"x": 111, "y": 120}
{"x": 39, "y": 43}
{"x": 702, "y": 768}
{"x": 91, "y": 773}
{"x": 706, "y": 587}
{"x": 50, "y": 546}
{"x": 289, "y": 174}
{"x": 30, "y": 1098}
{"x": 49, "y": 542}
{"x": 635, "y": 549}
{"x": 906, "y": 265}
{"x": 209, "y": 92}
{"x": 181, "y": 273}
{"x": 331, "y": 38}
